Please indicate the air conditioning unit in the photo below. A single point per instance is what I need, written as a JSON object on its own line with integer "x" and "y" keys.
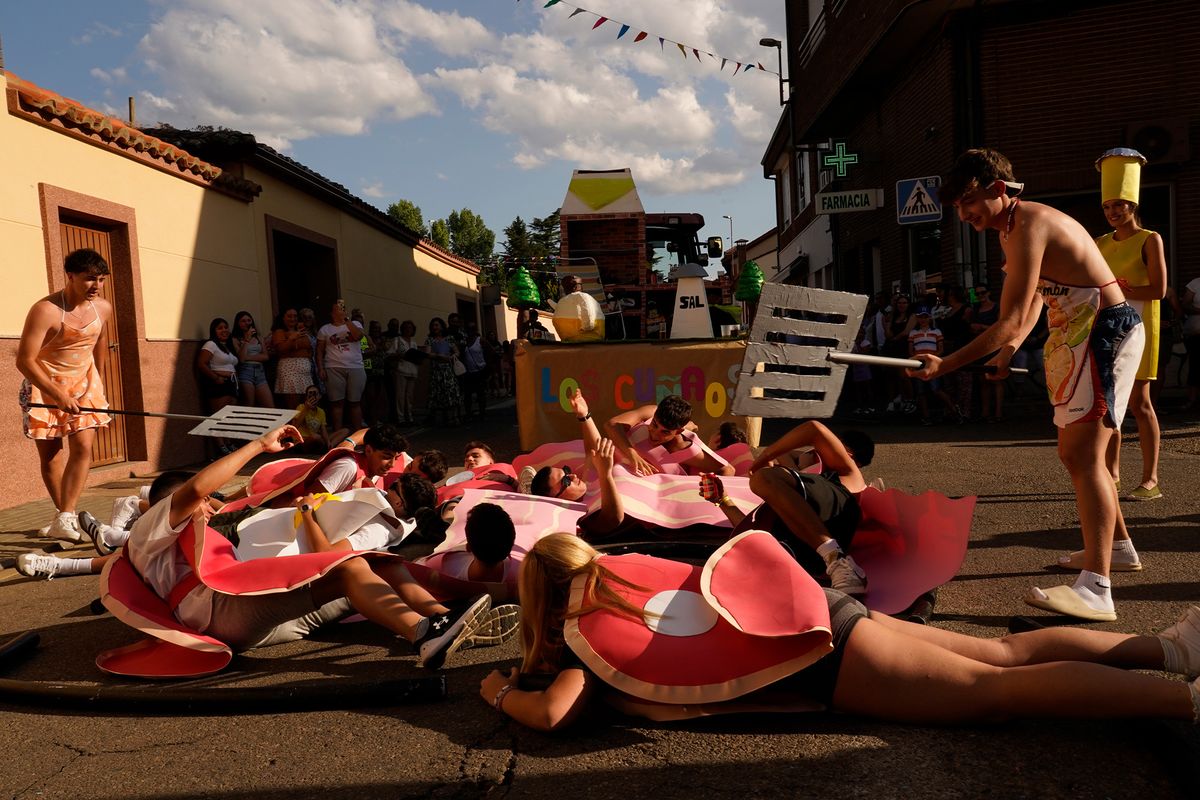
{"x": 1163, "y": 141}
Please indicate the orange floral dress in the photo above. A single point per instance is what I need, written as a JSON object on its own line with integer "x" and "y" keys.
{"x": 68, "y": 359}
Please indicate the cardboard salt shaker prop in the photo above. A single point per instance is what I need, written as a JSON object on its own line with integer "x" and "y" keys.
{"x": 794, "y": 366}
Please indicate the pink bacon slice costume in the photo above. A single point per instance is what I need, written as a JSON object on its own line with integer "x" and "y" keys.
{"x": 176, "y": 650}
{"x": 669, "y": 462}
{"x": 294, "y": 477}
{"x": 533, "y": 517}
{"x": 708, "y": 634}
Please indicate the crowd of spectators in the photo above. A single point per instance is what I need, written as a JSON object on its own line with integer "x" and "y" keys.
{"x": 347, "y": 373}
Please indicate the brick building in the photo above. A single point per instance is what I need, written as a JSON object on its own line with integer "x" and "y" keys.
{"x": 908, "y": 85}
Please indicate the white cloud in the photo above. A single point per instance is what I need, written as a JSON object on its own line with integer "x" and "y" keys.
{"x": 560, "y": 92}
{"x": 97, "y": 30}
{"x": 374, "y": 190}
{"x": 569, "y": 93}
{"x": 282, "y": 69}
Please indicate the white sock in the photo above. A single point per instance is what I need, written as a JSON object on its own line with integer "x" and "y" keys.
{"x": 1124, "y": 546}
{"x": 113, "y": 537}
{"x": 1172, "y": 656}
{"x": 830, "y": 551}
{"x": 421, "y": 628}
{"x": 1095, "y": 590}
{"x": 74, "y": 566}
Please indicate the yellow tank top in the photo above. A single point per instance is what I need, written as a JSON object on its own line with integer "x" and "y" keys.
{"x": 1125, "y": 260}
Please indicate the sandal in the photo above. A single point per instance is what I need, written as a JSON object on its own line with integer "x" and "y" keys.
{"x": 1119, "y": 562}
{"x": 1064, "y": 600}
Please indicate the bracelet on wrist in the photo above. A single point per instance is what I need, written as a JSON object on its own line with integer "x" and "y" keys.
{"x": 724, "y": 500}
{"x": 498, "y": 703}
{"x": 585, "y": 417}
{"x": 351, "y": 441}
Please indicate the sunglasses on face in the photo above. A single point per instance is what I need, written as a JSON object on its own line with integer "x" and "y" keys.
{"x": 565, "y": 482}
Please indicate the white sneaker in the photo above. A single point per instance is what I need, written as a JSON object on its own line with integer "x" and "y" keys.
{"x": 37, "y": 565}
{"x": 65, "y": 527}
{"x": 45, "y": 529}
{"x": 846, "y": 576}
{"x": 1186, "y": 635}
{"x": 125, "y": 511}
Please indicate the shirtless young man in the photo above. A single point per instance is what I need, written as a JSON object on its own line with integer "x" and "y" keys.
{"x": 62, "y": 348}
{"x": 638, "y": 435}
{"x": 1092, "y": 354}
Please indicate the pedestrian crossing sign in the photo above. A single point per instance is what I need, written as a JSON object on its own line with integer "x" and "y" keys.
{"x": 917, "y": 200}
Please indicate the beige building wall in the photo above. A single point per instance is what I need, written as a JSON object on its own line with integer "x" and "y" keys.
{"x": 196, "y": 253}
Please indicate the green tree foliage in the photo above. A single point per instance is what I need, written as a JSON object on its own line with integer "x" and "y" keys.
{"x": 470, "y": 238}
{"x": 439, "y": 232}
{"x": 544, "y": 235}
{"x": 517, "y": 244}
{"x": 408, "y": 214}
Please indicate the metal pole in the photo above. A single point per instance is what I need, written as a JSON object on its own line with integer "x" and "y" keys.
{"x": 194, "y": 417}
{"x": 885, "y": 361}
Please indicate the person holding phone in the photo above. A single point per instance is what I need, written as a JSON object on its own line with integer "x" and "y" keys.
{"x": 253, "y": 389}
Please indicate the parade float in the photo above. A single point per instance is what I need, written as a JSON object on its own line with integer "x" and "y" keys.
{"x": 662, "y": 312}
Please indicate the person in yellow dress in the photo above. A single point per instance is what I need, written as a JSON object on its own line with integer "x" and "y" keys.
{"x": 62, "y": 345}
{"x": 1136, "y": 258}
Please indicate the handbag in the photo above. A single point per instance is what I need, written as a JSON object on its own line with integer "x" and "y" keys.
{"x": 459, "y": 368}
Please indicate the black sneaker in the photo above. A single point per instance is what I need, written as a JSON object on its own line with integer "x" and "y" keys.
{"x": 91, "y": 526}
{"x": 447, "y": 632}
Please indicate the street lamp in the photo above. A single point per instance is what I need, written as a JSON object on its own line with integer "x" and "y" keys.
{"x": 778, "y": 45}
{"x": 726, "y": 216}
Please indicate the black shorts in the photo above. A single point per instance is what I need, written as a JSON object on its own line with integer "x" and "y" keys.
{"x": 819, "y": 681}
{"x": 211, "y": 390}
{"x": 833, "y": 504}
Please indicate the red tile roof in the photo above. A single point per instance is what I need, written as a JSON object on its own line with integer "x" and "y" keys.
{"x": 28, "y": 100}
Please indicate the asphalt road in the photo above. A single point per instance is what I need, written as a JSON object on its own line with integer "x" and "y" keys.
{"x": 460, "y": 747}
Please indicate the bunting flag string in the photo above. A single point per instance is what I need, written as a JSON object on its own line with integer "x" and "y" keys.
{"x": 740, "y": 66}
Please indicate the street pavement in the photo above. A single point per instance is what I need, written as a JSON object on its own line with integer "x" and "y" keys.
{"x": 458, "y": 747}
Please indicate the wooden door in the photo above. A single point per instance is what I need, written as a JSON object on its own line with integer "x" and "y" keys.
{"x": 109, "y": 447}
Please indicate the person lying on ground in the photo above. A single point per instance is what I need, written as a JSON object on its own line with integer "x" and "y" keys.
{"x": 380, "y": 588}
{"x": 879, "y": 667}
{"x": 356, "y": 461}
{"x": 809, "y": 513}
{"x": 662, "y": 438}
{"x": 430, "y": 463}
{"x": 407, "y": 496}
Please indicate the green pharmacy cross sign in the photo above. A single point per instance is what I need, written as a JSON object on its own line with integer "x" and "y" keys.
{"x": 839, "y": 159}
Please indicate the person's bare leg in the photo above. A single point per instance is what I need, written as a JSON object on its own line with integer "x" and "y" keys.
{"x": 1081, "y": 449}
{"x": 777, "y": 489}
{"x": 370, "y": 595}
{"x": 79, "y": 461}
{"x": 1149, "y": 433}
{"x": 888, "y": 675}
{"x": 335, "y": 414}
{"x": 1112, "y": 456}
{"x": 411, "y": 592}
{"x": 52, "y": 459}
{"x": 263, "y": 397}
{"x": 1123, "y": 650}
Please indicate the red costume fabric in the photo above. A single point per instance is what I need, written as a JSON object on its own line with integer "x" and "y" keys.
{"x": 706, "y": 634}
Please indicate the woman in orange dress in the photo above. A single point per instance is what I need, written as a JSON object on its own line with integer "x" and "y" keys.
{"x": 60, "y": 346}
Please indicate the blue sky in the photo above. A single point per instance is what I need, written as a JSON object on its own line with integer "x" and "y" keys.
{"x": 484, "y": 104}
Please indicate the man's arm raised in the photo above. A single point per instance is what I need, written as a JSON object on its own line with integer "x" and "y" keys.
{"x": 187, "y": 498}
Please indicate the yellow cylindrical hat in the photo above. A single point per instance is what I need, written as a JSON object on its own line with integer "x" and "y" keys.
{"x": 1120, "y": 174}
